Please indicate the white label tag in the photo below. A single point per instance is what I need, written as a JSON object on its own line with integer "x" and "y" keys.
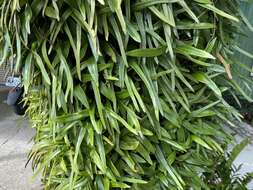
{"x": 12, "y": 81}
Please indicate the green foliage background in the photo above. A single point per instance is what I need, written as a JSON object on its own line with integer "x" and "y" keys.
{"x": 227, "y": 176}
{"x": 244, "y": 52}
{"x": 124, "y": 94}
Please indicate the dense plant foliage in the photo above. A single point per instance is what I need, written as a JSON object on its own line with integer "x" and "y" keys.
{"x": 124, "y": 94}
{"x": 225, "y": 174}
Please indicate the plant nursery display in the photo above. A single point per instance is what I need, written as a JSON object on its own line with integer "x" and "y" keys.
{"x": 124, "y": 94}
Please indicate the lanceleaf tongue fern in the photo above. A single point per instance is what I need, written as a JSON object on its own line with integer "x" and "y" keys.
{"x": 123, "y": 93}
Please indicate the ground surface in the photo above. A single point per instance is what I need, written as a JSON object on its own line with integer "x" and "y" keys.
{"x": 15, "y": 142}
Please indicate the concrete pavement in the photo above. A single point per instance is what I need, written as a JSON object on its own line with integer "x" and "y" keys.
{"x": 15, "y": 142}
{"x": 246, "y": 156}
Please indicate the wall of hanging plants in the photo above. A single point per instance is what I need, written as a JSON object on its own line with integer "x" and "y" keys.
{"x": 124, "y": 94}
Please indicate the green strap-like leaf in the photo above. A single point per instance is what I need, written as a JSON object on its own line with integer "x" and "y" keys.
{"x": 42, "y": 68}
{"x": 152, "y": 52}
{"x": 219, "y": 12}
